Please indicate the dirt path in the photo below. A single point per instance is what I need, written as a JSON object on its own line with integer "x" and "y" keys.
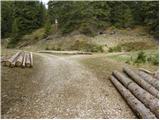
{"x": 69, "y": 90}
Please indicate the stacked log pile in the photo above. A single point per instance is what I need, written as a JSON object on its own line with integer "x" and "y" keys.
{"x": 140, "y": 90}
{"x": 20, "y": 59}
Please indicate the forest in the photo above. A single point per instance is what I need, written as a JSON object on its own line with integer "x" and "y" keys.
{"x": 20, "y": 18}
{"x": 79, "y": 59}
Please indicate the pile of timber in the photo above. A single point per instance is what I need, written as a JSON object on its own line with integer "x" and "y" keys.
{"x": 20, "y": 59}
{"x": 140, "y": 90}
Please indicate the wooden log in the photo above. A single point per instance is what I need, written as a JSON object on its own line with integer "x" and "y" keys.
{"x": 11, "y": 60}
{"x": 144, "y": 96}
{"x": 24, "y": 60}
{"x": 28, "y": 62}
{"x": 156, "y": 74}
{"x": 145, "y": 85}
{"x": 146, "y": 71}
{"x": 31, "y": 59}
{"x": 136, "y": 105}
{"x": 19, "y": 61}
{"x": 149, "y": 78}
{"x": 4, "y": 60}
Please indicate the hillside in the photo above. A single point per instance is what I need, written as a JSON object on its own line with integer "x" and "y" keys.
{"x": 108, "y": 39}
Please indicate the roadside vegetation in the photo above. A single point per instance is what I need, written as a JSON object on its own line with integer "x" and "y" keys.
{"x": 139, "y": 58}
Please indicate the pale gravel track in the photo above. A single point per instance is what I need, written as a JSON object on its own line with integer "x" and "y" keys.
{"x": 70, "y": 90}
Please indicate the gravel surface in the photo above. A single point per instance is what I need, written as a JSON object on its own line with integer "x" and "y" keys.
{"x": 68, "y": 90}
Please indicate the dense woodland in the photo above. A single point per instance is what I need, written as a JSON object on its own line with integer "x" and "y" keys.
{"x": 20, "y": 18}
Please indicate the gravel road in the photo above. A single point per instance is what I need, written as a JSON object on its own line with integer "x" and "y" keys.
{"x": 69, "y": 90}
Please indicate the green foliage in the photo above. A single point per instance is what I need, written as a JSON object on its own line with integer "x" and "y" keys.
{"x": 141, "y": 57}
{"x": 15, "y": 34}
{"x": 29, "y": 15}
{"x": 91, "y": 16}
{"x": 47, "y": 28}
{"x": 115, "y": 49}
{"x": 88, "y": 17}
{"x": 6, "y": 18}
{"x": 153, "y": 59}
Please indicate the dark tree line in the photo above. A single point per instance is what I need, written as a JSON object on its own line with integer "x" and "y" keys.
{"x": 19, "y": 18}
{"x": 90, "y": 16}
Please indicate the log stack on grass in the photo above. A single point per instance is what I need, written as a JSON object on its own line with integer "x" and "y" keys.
{"x": 140, "y": 90}
{"x": 20, "y": 59}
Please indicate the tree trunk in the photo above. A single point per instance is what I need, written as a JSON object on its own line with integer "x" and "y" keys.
{"x": 146, "y": 71}
{"x": 156, "y": 74}
{"x": 11, "y": 60}
{"x": 24, "y": 60}
{"x": 31, "y": 59}
{"x": 150, "y": 79}
{"x": 19, "y": 61}
{"x": 142, "y": 82}
{"x": 138, "y": 107}
{"x": 28, "y": 62}
{"x": 145, "y": 97}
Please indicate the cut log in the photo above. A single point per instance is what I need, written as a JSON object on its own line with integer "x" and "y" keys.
{"x": 149, "y": 78}
{"x": 146, "y": 71}
{"x": 145, "y": 85}
{"x": 19, "y": 61}
{"x": 31, "y": 59}
{"x": 24, "y": 60}
{"x": 11, "y": 60}
{"x": 4, "y": 60}
{"x": 156, "y": 74}
{"x": 145, "y": 97}
{"x": 28, "y": 62}
{"x": 136, "y": 105}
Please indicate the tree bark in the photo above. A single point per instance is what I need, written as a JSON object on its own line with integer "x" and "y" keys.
{"x": 24, "y": 60}
{"x": 145, "y": 97}
{"x": 148, "y": 87}
{"x": 146, "y": 71}
{"x": 28, "y": 62}
{"x": 31, "y": 59}
{"x": 12, "y": 59}
{"x": 150, "y": 79}
{"x": 20, "y": 60}
{"x": 136, "y": 105}
{"x": 156, "y": 74}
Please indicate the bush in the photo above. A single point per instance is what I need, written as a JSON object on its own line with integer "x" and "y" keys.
{"x": 154, "y": 59}
{"x": 115, "y": 49}
{"x": 141, "y": 58}
{"x": 86, "y": 29}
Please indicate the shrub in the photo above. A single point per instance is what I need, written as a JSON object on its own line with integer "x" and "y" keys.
{"x": 115, "y": 49}
{"x": 154, "y": 59}
{"x": 141, "y": 57}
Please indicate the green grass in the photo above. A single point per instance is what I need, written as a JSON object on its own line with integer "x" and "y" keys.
{"x": 151, "y": 59}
